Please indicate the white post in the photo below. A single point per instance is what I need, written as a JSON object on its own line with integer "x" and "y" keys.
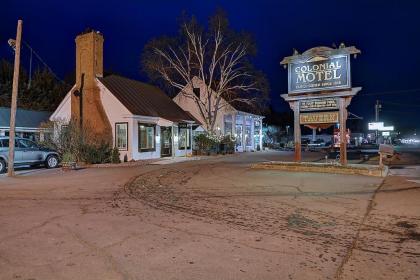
{"x": 261, "y": 136}
{"x": 252, "y": 134}
{"x": 243, "y": 134}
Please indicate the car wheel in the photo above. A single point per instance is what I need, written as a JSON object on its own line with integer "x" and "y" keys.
{"x": 51, "y": 161}
{"x": 2, "y": 166}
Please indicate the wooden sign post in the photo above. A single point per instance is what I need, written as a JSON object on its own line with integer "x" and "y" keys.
{"x": 320, "y": 91}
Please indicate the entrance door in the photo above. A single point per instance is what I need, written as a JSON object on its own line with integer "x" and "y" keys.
{"x": 166, "y": 141}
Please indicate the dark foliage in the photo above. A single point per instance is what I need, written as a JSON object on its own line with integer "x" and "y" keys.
{"x": 44, "y": 93}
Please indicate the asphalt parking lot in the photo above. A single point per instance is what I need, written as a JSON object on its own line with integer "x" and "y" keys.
{"x": 209, "y": 219}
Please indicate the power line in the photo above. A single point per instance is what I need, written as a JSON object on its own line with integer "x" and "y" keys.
{"x": 393, "y": 92}
{"x": 401, "y": 104}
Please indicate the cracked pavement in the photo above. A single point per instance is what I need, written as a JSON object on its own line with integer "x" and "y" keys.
{"x": 209, "y": 219}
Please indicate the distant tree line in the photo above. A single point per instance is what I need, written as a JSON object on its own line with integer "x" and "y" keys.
{"x": 44, "y": 94}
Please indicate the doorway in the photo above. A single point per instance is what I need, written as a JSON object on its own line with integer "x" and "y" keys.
{"x": 166, "y": 141}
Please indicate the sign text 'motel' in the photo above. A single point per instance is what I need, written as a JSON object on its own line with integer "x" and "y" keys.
{"x": 321, "y": 73}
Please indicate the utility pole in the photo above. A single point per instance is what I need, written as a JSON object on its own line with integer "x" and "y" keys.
{"x": 13, "y": 106}
{"x": 378, "y": 108}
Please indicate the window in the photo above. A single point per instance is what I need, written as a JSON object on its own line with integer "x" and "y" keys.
{"x": 248, "y": 139}
{"x": 121, "y": 136}
{"x": 184, "y": 138}
{"x": 26, "y": 144}
{"x": 238, "y": 135}
{"x": 147, "y": 134}
{"x": 228, "y": 125}
{"x": 196, "y": 91}
{"x": 4, "y": 143}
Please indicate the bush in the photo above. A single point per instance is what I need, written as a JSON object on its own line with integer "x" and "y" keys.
{"x": 72, "y": 142}
{"x": 207, "y": 143}
{"x": 115, "y": 155}
{"x": 68, "y": 157}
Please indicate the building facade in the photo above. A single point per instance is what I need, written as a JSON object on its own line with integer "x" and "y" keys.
{"x": 244, "y": 126}
{"x": 137, "y": 118}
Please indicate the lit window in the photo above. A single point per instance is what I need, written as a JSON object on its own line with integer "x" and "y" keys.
{"x": 146, "y": 137}
{"x": 184, "y": 138}
{"x": 228, "y": 125}
{"x": 121, "y": 136}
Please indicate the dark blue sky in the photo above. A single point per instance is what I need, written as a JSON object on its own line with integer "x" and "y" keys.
{"x": 387, "y": 32}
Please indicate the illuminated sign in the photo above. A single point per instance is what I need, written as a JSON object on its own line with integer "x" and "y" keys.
{"x": 319, "y": 117}
{"x": 319, "y": 73}
{"x": 319, "y": 104}
{"x": 386, "y": 133}
{"x": 375, "y": 125}
{"x": 380, "y": 126}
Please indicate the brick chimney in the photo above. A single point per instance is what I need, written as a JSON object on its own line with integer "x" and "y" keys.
{"x": 89, "y": 64}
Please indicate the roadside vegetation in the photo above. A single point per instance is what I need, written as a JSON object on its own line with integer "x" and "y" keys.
{"x": 78, "y": 145}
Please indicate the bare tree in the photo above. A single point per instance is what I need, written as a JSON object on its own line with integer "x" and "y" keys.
{"x": 217, "y": 57}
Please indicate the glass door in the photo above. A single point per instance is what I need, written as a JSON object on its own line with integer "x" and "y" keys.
{"x": 166, "y": 141}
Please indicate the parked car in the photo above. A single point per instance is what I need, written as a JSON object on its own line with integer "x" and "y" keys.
{"x": 27, "y": 152}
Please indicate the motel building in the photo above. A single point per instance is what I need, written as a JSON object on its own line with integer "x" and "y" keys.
{"x": 232, "y": 119}
{"x": 142, "y": 120}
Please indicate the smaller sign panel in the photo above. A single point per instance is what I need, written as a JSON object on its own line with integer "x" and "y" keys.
{"x": 319, "y": 117}
{"x": 319, "y": 104}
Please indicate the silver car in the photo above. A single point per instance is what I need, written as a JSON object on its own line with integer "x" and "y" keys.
{"x": 27, "y": 153}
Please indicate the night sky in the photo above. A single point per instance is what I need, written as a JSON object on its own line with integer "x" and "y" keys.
{"x": 387, "y": 32}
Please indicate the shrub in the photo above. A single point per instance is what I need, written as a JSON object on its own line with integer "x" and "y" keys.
{"x": 70, "y": 141}
{"x": 115, "y": 155}
{"x": 207, "y": 143}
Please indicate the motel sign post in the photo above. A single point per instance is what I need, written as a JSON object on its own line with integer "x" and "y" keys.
{"x": 319, "y": 91}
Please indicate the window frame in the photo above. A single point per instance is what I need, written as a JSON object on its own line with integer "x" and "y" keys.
{"x": 121, "y": 149}
{"x": 139, "y": 137}
{"x": 179, "y": 138}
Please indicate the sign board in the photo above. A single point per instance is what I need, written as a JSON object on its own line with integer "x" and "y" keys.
{"x": 375, "y": 125}
{"x": 380, "y": 126}
{"x": 319, "y": 104}
{"x": 386, "y": 133}
{"x": 319, "y": 73}
{"x": 319, "y": 117}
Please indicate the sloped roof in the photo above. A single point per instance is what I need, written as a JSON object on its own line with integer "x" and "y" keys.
{"x": 24, "y": 118}
{"x": 144, "y": 99}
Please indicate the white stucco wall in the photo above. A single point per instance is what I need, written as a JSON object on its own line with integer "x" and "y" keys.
{"x": 117, "y": 113}
{"x": 63, "y": 112}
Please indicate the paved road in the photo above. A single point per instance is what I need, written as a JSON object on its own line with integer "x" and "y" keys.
{"x": 212, "y": 219}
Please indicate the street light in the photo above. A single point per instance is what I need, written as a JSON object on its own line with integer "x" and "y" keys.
{"x": 12, "y": 44}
